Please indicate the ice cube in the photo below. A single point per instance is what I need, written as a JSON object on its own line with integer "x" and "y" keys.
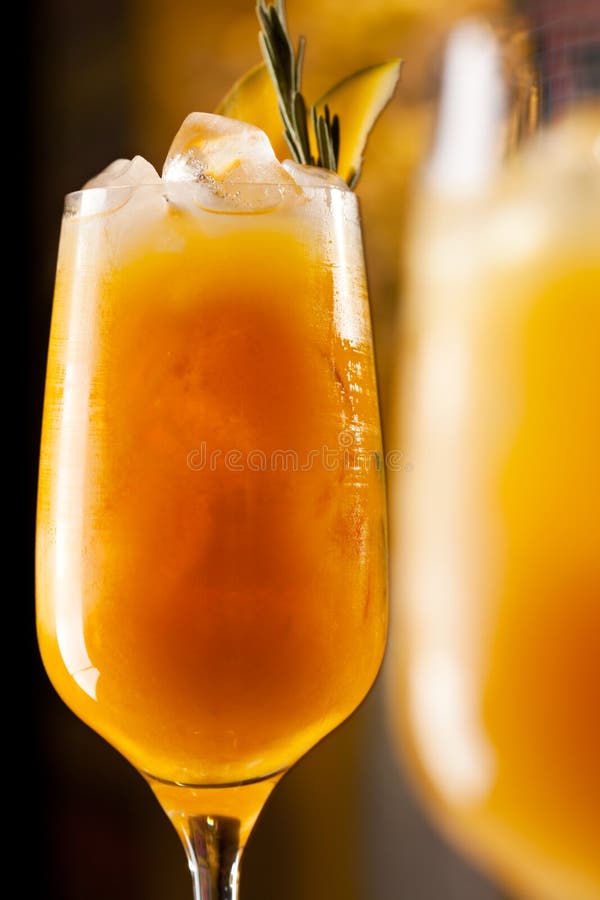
{"x": 313, "y": 176}
{"x": 125, "y": 173}
{"x": 214, "y": 148}
{"x": 129, "y": 175}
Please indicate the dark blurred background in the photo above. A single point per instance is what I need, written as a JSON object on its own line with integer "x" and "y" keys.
{"x": 112, "y": 78}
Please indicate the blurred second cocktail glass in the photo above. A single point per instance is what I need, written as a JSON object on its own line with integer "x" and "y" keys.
{"x": 495, "y": 682}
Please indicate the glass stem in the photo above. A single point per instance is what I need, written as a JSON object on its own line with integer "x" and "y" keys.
{"x": 214, "y": 823}
{"x": 214, "y": 854}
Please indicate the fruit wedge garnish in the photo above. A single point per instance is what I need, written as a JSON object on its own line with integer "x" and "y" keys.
{"x": 333, "y": 133}
{"x": 358, "y": 100}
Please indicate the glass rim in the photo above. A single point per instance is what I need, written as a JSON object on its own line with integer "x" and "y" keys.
{"x": 228, "y": 188}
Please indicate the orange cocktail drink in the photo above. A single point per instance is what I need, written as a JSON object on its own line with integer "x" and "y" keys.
{"x": 211, "y": 570}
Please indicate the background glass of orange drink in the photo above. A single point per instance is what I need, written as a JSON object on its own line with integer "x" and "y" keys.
{"x": 211, "y": 558}
{"x": 495, "y": 682}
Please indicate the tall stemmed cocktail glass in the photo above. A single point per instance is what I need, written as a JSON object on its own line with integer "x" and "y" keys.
{"x": 211, "y": 532}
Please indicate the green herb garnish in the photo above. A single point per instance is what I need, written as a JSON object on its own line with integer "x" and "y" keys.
{"x": 285, "y": 67}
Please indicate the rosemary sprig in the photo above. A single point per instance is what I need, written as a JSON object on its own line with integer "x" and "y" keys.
{"x": 285, "y": 67}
